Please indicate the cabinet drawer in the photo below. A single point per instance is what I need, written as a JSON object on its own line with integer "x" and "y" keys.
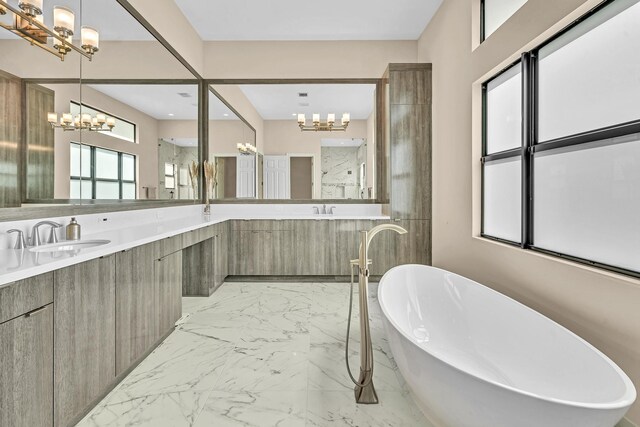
{"x": 25, "y": 295}
{"x": 261, "y": 225}
{"x": 170, "y": 245}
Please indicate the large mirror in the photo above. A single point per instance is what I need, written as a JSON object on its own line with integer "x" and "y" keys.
{"x": 93, "y": 118}
{"x": 293, "y": 141}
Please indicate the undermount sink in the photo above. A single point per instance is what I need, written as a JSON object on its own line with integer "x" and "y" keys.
{"x": 69, "y": 246}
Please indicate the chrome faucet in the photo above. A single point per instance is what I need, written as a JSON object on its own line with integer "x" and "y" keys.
{"x": 35, "y": 233}
{"x": 21, "y": 243}
{"x": 330, "y": 212}
{"x": 324, "y": 209}
{"x": 365, "y": 392}
{"x": 316, "y": 210}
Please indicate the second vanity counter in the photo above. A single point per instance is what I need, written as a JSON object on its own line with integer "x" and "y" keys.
{"x": 136, "y": 228}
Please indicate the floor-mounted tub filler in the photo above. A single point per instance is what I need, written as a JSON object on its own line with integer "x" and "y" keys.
{"x": 473, "y": 357}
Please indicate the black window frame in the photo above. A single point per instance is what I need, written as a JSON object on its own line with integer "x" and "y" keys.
{"x": 120, "y": 180}
{"x": 531, "y": 145}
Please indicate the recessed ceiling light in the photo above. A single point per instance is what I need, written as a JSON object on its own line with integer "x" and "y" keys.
{"x": 226, "y": 115}
{"x": 294, "y": 115}
{"x": 171, "y": 114}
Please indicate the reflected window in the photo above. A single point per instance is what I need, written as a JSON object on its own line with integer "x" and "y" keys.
{"x": 122, "y": 130}
{"x": 169, "y": 176}
{"x": 98, "y": 173}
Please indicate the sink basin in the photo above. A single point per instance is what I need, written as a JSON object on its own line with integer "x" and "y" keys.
{"x": 69, "y": 246}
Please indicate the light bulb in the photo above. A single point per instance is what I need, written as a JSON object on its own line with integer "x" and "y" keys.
{"x": 301, "y": 119}
{"x": 63, "y": 20}
{"x": 90, "y": 39}
{"x": 52, "y": 117}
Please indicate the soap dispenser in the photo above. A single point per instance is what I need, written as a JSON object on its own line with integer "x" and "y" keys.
{"x": 73, "y": 230}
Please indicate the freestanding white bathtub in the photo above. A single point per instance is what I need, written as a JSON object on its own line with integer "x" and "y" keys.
{"x": 473, "y": 357}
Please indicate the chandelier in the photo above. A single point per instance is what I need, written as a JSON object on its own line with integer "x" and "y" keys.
{"x": 328, "y": 126}
{"x": 99, "y": 123}
{"x": 246, "y": 148}
{"x": 28, "y": 23}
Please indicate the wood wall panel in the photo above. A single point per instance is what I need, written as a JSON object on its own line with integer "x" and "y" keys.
{"x": 10, "y": 139}
{"x": 40, "y": 159}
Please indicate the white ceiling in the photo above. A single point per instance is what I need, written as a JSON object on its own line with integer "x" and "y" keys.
{"x": 111, "y": 20}
{"x": 309, "y": 20}
{"x": 281, "y": 101}
{"x": 164, "y": 102}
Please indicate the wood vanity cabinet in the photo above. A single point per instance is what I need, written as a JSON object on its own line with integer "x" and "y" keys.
{"x": 85, "y": 347}
{"x": 26, "y": 352}
{"x": 136, "y": 312}
{"x": 168, "y": 271}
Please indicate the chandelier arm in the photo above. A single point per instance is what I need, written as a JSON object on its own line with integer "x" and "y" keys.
{"x": 44, "y": 28}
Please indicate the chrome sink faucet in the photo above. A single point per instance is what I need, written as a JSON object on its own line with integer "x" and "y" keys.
{"x": 35, "y": 233}
{"x": 330, "y": 212}
{"x": 316, "y": 210}
{"x": 324, "y": 209}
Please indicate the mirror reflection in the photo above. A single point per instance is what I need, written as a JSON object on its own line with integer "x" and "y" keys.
{"x": 87, "y": 132}
{"x": 312, "y": 141}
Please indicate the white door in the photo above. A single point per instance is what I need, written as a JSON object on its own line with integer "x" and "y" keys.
{"x": 246, "y": 176}
{"x": 277, "y": 183}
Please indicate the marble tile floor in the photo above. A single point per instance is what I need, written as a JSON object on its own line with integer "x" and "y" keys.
{"x": 260, "y": 354}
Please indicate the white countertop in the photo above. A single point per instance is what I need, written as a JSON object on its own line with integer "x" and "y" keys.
{"x": 21, "y": 264}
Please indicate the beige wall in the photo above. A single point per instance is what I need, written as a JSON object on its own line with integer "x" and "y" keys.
{"x": 283, "y": 59}
{"x": 237, "y": 99}
{"x": 167, "y": 18}
{"x": 284, "y": 137}
{"x": 115, "y": 60}
{"x": 599, "y": 306}
{"x": 146, "y": 150}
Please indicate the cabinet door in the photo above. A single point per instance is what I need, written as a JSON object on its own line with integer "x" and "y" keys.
{"x": 315, "y": 247}
{"x": 168, "y": 292}
{"x": 26, "y": 370}
{"x": 84, "y": 312}
{"x": 135, "y": 305}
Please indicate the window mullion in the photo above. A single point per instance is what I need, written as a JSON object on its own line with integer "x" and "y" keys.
{"x": 528, "y": 128}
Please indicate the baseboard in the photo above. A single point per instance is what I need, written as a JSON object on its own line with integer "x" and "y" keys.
{"x": 296, "y": 279}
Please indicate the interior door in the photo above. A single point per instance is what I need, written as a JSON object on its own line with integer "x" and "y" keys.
{"x": 276, "y": 177}
{"x": 246, "y": 176}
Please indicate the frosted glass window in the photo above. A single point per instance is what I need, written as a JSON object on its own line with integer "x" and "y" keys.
{"x": 128, "y": 191}
{"x": 588, "y": 77}
{"x": 86, "y": 188}
{"x": 496, "y": 13}
{"x": 107, "y": 190}
{"x": 106, "y": 164}
{"x": 502, "y": 204}
{"x": 587, "y": 202}
{"x": 80, "y": 189}
{"x": 128, "y": 167}
{"x": 80, "y": 160}
{"x": 503, "y": 111}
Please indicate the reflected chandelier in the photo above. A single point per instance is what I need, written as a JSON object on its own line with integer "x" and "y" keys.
{"x": 328, "y": 126}
{"x": 28, "y": 23}
{"x": 99, "y": 123}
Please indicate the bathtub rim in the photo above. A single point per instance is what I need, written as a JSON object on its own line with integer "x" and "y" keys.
{"x": 626, "y": 400}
